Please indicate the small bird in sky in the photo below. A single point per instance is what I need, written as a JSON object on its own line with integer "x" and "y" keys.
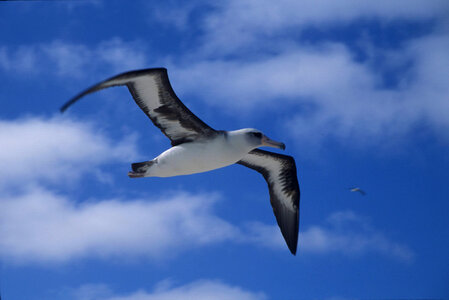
{"x": 357, "y": 189}
{"x": 196, "y": 147}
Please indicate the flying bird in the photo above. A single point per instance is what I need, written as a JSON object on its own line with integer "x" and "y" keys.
{"x": 357, "y": 189}
{"x": 196, "y": 147}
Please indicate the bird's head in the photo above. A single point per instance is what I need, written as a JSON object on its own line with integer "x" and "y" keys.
{"x": 255, "y": 138}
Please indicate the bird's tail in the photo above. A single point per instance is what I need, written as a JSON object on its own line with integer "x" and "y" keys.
{"x": 134, "y": 175}
{"x": 140, "y": 168}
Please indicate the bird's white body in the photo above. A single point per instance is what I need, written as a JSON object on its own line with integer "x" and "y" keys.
{"x": 201, "y": 156}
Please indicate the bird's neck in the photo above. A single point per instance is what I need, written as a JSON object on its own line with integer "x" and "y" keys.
{"x": 238, "y": 140}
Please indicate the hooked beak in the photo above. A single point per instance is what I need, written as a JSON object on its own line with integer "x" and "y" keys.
{"x": 270, "y": 143}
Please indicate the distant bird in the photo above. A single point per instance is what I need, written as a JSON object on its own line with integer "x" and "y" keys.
{"x": 197, "y": 148}
{"x": 357, "y": 189}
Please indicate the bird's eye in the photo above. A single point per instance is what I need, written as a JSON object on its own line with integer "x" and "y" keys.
{"x": 257, "y": 134}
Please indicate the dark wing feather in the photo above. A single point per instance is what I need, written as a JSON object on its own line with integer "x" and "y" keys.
{"x": 280, "y": 173}
{"x": 152, "y": 91}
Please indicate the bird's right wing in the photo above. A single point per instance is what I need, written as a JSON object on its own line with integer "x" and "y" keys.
{"x": 153, "y": 93}
{"x": 280, "y": 173}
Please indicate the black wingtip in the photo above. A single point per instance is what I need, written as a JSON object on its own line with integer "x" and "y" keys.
{"x": 71, "y": 101}
{"x": 76, "y": 98}
{"x": 293, "y": 247}
{"x": 65, "y": 106}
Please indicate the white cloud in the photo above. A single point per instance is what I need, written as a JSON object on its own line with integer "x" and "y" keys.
{"x": 60, "y": 58}
{"x": 85, "y": 292}
{"x": 37, "y": 149}
{"x": 201, "y": 290}
{"x": 197, "y": 290}
{"x": 428, "y": 85}
{"x": 42, "y": 226}
{"x": 297, "y": 75}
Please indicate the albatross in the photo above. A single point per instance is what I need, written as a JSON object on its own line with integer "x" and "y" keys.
{"x": 196, "y": 147}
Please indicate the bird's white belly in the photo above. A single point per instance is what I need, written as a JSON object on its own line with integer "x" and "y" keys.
{"x": 195, "y": 157}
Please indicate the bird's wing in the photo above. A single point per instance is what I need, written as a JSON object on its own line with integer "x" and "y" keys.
{"x": 280, "y": 173}
{"x": 152, "y": 91}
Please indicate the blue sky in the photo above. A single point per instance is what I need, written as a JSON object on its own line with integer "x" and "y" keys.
{"x": 358, "y": 91}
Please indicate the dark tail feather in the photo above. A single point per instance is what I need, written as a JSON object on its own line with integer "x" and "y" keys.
{"x": 142, "y": 167}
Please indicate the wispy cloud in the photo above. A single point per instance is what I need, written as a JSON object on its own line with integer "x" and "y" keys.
{"x": 22, "y": 59}
{"x": 251, "y": 23}
{"x": 72, "y": 60}
{"x": 198, "y": 290}
{"x": 343, "y": 232}
{"x": 174, "y": 13}
{"x": 352, "y": 235}
{"x": 258, "y": 27}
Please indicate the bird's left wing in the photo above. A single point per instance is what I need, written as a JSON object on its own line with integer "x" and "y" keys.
{"x": 280, "y": 173}
{"x": 153, "y": 93}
